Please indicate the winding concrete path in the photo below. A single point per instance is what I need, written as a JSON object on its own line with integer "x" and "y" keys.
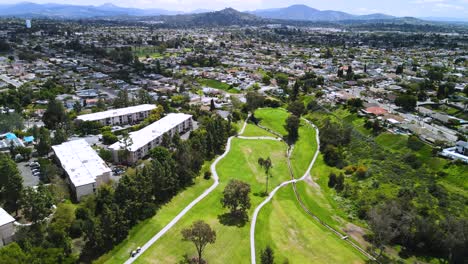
{"x": 293, "y": 181}
{"x": 193, "y": 203}
{"x": 272, "y": 193}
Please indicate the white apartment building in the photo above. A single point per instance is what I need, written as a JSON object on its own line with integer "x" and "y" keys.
{"x": 7, "y": 229}
{"x": 121, "y": 116}
{"x": 151, "y": 136}
{"x": 86, "y": 171}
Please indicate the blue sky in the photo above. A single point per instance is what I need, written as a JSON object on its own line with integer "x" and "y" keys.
{"x": 418, "y": 8}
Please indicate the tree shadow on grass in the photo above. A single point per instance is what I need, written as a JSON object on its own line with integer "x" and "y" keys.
{"x": 261, "y": 194}
{"x": 233, "y": 219}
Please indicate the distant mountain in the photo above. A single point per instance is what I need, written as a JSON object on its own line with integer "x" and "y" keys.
{"x": 225, "y": 17}
{"x": 27, "y": 9}
{"x": 200, "y": 10}
{"x": 303, "y": 12}
{"x": 445, "y": 19}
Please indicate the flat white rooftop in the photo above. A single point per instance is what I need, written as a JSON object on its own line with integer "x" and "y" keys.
{"x": 5, "y": 217}
{"x": 117, "y": 112}
{"x": 153, "y": 131}
{"x": 80, "y": 161}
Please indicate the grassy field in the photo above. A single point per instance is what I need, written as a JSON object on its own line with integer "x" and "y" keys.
{"x": 232, "y": 244}
{"x": 142, "y": 232}
{"x": 297, "y": 238}
{"x": 252, "y": 130}
{"x": 217, "y": 85}
{"x": 304, "y": 150}
{"x": 273, "y": 118}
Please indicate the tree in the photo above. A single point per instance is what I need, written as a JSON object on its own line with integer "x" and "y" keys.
{"x": 349, "y": 73}
{"x": 109, "y": 138}
{"x": 55, "y": 116}
{"x": 77, "y": 107}
{"x": 407, "y": 102}
{"x": 267, "y": 256}
{"x": 295, "y": 91}
{"x": 332, "y": 180}
{"x": 292, "y": 127}
{"x": 254, "y": 100}
{"x": 296, "y": 108}
{"x": 266, "y": 165}
{"x": 414, "y": 143}
{"x": 36, "y": 203}
{"x": 355, "y": 104}
{"x": 383, "y": 225}
{"x": 266, "y": 79}
{"x": 45, "y": 143}
{"x": 164, "y": 177}
{"x": 200, "y": 234}
{"x": 12, "y": 253}
{"x": 122, "y": 99}
{"x": 340, "y": 183}
{"x": 331, "y": 155}
{"x": 399, "y": 69}
{"x": 60, "y": 136}
{"x": 340, "y": 73}
{"x": 212, "y": 105}
{"x": 236, "y": 197}
{"x": 11, "y": 183}
{"x": 124, "y": 153}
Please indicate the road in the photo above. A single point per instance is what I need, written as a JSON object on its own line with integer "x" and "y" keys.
{"x": 192, "y": 204}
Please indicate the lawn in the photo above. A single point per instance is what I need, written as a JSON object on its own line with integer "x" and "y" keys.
{"x": 232, "y": 242}
{"x": 217, "y": 85}
{"x": 252, "y": 130}
{"x": 142, "y": 232}
{"x": 304, "y": 150}
{"x": 273, "y": 118}
{"x": 298, "y": 238}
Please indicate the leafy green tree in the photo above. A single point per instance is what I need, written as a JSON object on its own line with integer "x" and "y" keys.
{"x": 77, "y": 107}
{"x": 254, "y": 100}
{"x": 340, "y": 183}
{"x": 60, "y": 136}
{"x": 44, "y": 142}
{"x": 332, "y": 180}
{"x": 399, "y": 69}
{"x": 414, "y": 143}
{"x": 295, "y": 91}
{"x": 266, "y": 79}
{"x": 383, "y": 225}
{"x": 11, "y": 183}
{"x": 105, "y": 154}
{"x": 292, "y": 127}
{"x": 55, "y": 115}
{"x": 10, "y": 122}
{"x": 236, "y": 197}
{"x": 36, "y": 203}
{"x": 12, "y": 253}
{"x": 200, "y": 234}
{"x": 407, "y": 102}
{"x": 165, "y": 180}
{"x": 296, "y": 108}
{"x": 267, "y": 256}
{"x": 109, "y": 138}
{"x": 331, "y": 156}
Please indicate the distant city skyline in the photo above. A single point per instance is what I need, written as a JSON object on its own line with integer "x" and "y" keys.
{"x": 416, "y": 8}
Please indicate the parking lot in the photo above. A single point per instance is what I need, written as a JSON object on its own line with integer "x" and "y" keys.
{"x": 28, "y": 178}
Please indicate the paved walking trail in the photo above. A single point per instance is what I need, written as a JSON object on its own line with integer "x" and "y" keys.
{"x": 257, "y": 210}
{"x": 192, "y": 204}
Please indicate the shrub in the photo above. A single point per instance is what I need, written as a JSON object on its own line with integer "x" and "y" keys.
{"x": 207, "y": 175}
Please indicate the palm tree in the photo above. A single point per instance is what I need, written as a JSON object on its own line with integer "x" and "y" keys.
{"x": 266, "y": 165}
